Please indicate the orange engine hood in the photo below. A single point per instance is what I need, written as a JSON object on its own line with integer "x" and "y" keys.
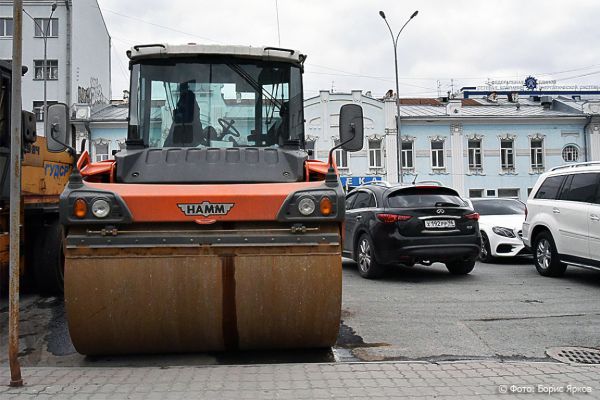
{"x": 168, "y": 203}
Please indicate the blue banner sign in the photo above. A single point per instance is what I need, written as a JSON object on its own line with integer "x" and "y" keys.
{"x": 348, "y": 181}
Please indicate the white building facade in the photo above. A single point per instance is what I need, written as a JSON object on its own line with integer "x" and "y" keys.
{"x": 78, "y": 52}
{"x": 479, "y": 149}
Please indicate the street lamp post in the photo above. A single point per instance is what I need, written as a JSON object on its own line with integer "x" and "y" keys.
{"x": 395, "y": 42}
{"x": 45, "y": 65}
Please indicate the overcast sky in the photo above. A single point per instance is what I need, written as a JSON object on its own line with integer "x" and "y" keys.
{"x": 349, "y": 46}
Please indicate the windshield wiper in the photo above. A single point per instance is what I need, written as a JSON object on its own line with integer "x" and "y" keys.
{"x": 254, "y": 83}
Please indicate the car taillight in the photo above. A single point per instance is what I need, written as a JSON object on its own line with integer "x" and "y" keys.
{"x": 391, "y": 218}
{"x": 473, "y": 216}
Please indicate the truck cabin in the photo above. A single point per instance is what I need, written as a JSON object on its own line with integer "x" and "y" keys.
{"x": 211, "y": 100}
{"x": 214, "y": 114}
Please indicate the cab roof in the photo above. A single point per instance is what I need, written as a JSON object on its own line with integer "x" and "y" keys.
{"x": 163, "y": 50}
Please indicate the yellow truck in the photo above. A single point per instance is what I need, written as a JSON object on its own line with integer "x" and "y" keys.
{"x": 43, "y": 177}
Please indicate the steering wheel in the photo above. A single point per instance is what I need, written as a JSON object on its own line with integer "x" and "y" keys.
{"x": 228, "y": 127}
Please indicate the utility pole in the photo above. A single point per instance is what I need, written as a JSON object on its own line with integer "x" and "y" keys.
{"x": 15, "y": 196}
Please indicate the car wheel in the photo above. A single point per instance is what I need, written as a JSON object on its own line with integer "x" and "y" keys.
{"x": 545, "y": 256}
{"x": 367, "y": 266}
{"x": 462, "y": 267}
{"x": 485, "y": 254}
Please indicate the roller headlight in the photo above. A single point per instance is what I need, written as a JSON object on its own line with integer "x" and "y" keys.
{"x": 506, "y": 232}
{"x": 306, "y": 206}
{"x": 100, "y": 208}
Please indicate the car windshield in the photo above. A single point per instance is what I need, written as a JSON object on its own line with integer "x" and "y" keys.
{"x": 425, "y": 197}
{"x": 499, "y": 207}
{"x": 216, "y": 103}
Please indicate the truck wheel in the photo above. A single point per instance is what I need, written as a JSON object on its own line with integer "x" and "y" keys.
{"x": 367, "y": 266}
{"x": 545, "y": 256}
{"x": 49, "y": 259}
{"x": 461, "y": 267}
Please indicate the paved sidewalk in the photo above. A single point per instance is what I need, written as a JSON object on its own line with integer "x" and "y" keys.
{"x": 447, "y": 380}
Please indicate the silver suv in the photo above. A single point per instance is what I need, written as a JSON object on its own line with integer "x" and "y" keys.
{"x": 562, "y": 223}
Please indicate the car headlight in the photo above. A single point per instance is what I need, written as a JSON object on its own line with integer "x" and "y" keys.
{"x": 306, "y": 206}
{"x": 506, "y": 232}
{"x": 100, "y": 208}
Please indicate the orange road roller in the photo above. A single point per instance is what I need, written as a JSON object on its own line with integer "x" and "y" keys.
{"x": 212, "y": 229}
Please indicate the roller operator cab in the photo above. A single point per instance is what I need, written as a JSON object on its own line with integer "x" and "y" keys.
{"x": 211, "y": 230}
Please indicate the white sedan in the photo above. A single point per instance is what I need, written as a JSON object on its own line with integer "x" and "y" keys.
{"x": 500, "y": 222}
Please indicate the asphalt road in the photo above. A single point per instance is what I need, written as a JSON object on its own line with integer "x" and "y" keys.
{"x": 499, "y": 311}
{"x": 504, "y": 310}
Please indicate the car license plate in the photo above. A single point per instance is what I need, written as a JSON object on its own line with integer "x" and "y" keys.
{"x": 440, "y": 223}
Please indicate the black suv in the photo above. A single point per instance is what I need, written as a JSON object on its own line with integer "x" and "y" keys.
{"x": 407, "y": 225}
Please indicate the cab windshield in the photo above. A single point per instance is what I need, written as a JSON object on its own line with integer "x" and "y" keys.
{"x": 216, "y": 103}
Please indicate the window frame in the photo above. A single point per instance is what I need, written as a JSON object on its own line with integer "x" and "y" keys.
{"x": 472, "y": 153}
{"x": 375, "y": 153}
{"x": 98, "y": 157}
{"x": 535, "y": 153}
{"x": 506, "y": 153}
{"x": 574, "y": 150}
{"x": 340, "y": 154}
{"x": 407, "y": 154}
{"x": 49, "y": 69}
{"x": 40, "y": 25}
{"x": 4, "y": 30}
{"x": 438, "y": 152}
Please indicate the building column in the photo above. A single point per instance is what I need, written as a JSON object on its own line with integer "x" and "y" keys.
{"x": 457, "y": 154}
{"x": 391, "y": 140}
{"x": 593, "y": 143}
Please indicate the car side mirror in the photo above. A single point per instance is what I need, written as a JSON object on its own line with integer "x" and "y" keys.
{"x": 351, "y": 127}
{"x": 56, "y": 127}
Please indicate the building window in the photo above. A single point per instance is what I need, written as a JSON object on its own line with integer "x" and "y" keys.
{"x": 474, "y": 193}
{"x": 341, "y": 157}
{"x": 375, "y": 154}
{"x": 408, "y": 154}
{"x": 570, "y": 153}
{"x": 474, "y": 147}
{"x": 537, "y": 154}
{"x": 508, "y": 193}
{"x": 101, "y": 151}
{"x": 437, "y": 154}
{"x": 490, "y": 193}
{"x": 6, "y": 27}
{"x": 38, "y": 109}
{"x": 51, "y": 69}
{"x": 45, "y": 25}
{"x": 507, "y": 154}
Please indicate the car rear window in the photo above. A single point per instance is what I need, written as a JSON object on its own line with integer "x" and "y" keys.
{"x": 498, "y": 207}
{"x": 425, "y": 197}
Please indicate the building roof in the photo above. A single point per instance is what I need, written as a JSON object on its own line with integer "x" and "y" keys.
{"x": 110, "y": 112}
{"x": 498, "y": 111}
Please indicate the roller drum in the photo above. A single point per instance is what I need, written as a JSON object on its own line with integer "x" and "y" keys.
{"x": 126, "y": 300}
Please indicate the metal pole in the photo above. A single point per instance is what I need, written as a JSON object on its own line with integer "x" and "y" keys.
{"x": 15, "y": 196}
{"x": 398, "y": 123}
{"x": 398, "y": 137}
{"x": 45, "y": 73}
